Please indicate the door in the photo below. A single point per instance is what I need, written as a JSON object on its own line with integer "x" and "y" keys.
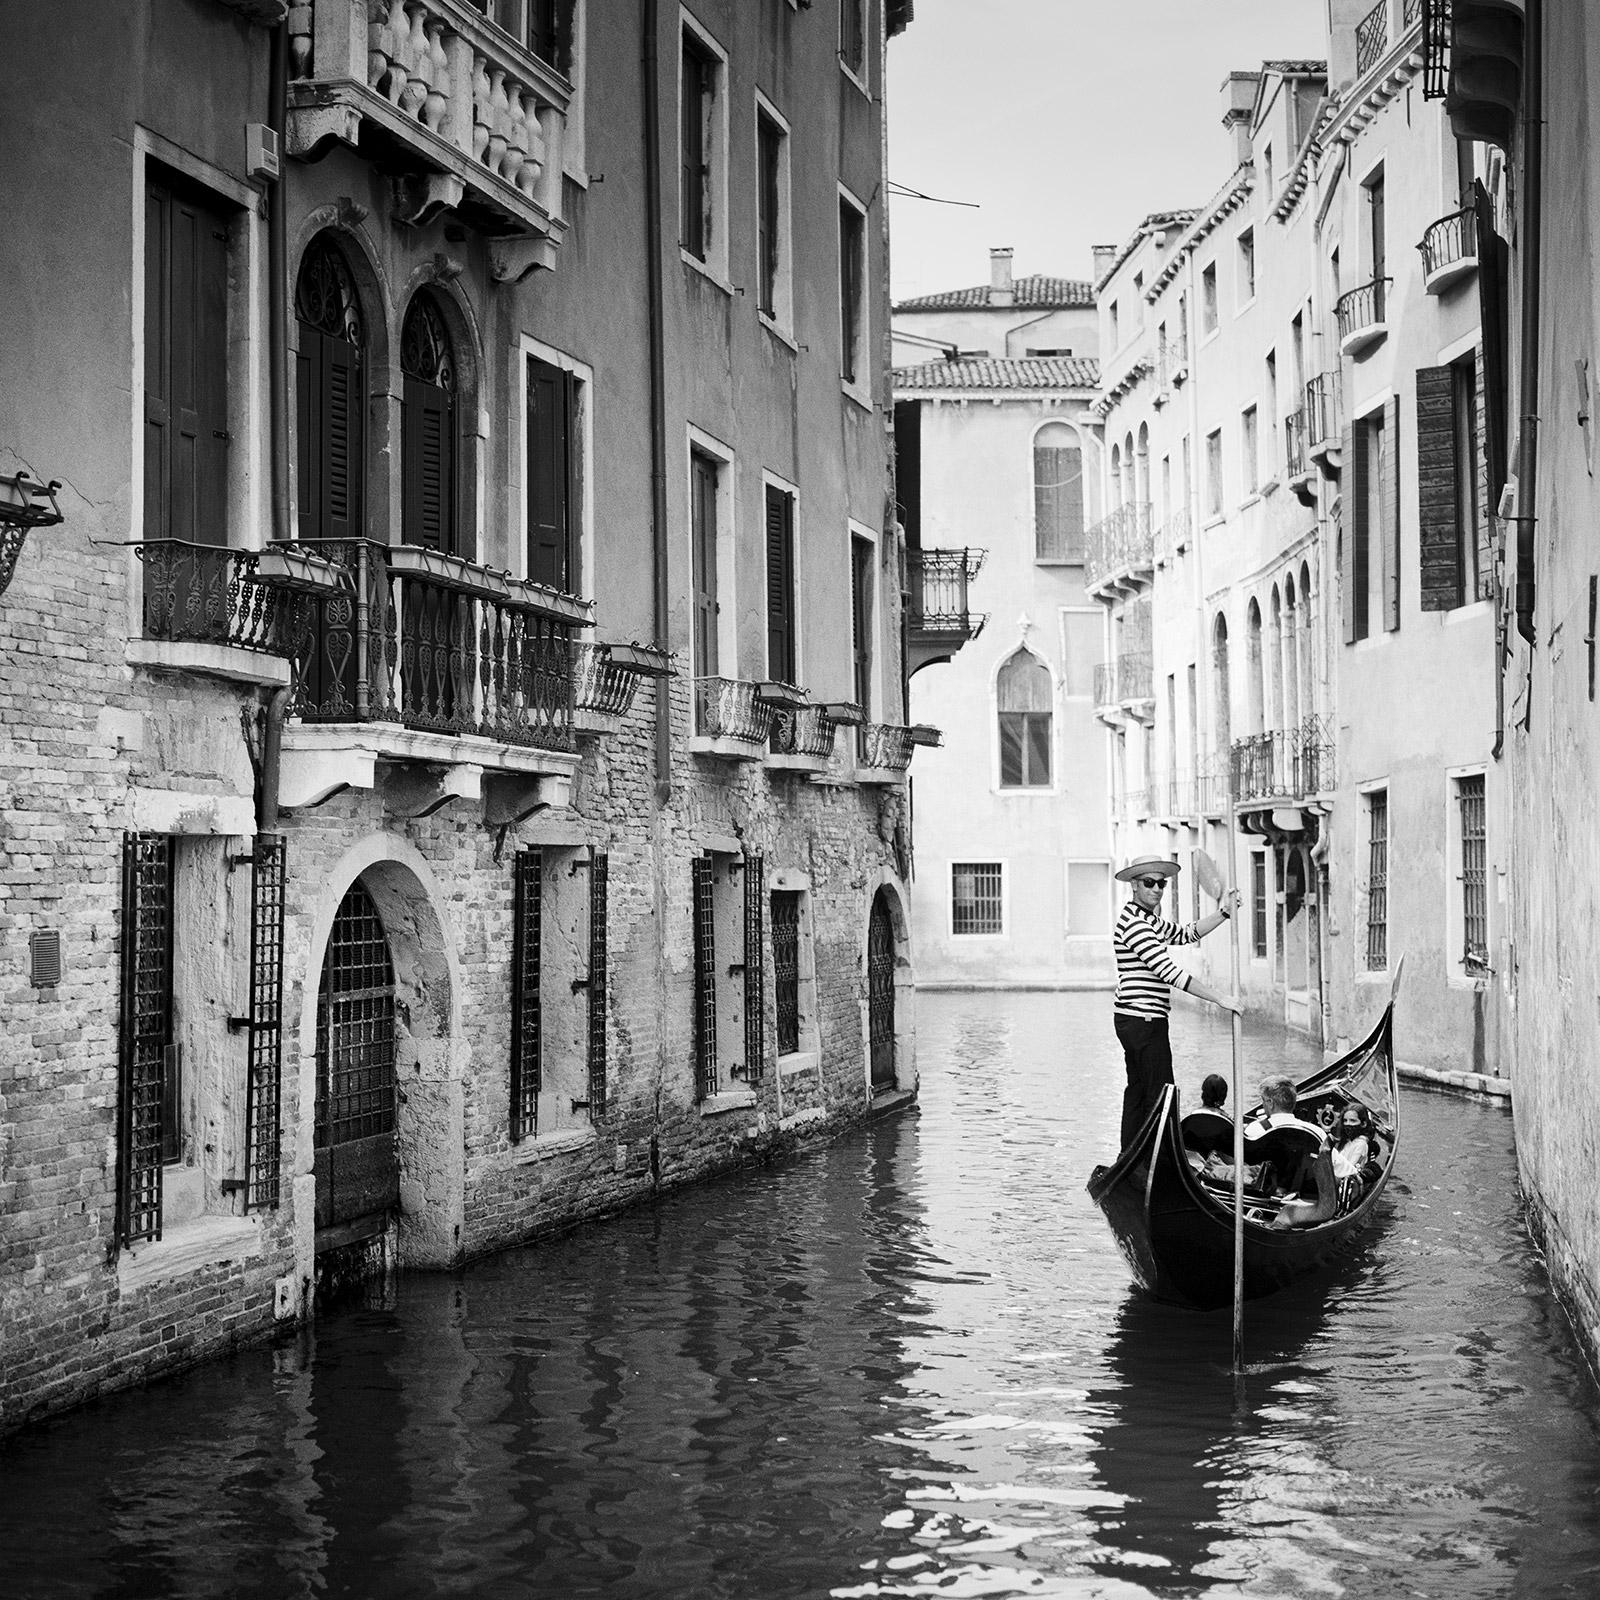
{"x": 357, "y": 1162}
{"x": 880, "y": 993}
{"x": 703, "y": 531}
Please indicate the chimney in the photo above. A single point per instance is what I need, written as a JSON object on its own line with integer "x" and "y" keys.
{"x": 1104, "y": 255}
{"x": 1000, "y": 276}
{"x": 1238, "y": 104}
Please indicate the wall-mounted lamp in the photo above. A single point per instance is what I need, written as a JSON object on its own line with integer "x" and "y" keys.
{"x": 24, "y": 503}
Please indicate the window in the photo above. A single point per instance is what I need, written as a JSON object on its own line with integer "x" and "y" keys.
{"x": 1377, "y": 243}
{"x": 786, "y": 969}
{"x": 1247, "y": 266}
{"x": 773, "y": 286}
{"x": 555, "y": 401}
{"x": 976, "y": 898}
{"x": 1057, "y": 494}
{"x": 1266, "y": 173}
{"x": 330, "y": 413}
{"x": 1474, "y": 875}
{"x": 1248, "y": 457}
{"x": 1448, "y": 505}
{"x": 1214, "y": 473}
{"x": 1023, "y": 696}
{"x": 544, "y": 26}
{"x": 1370, "y": 556}
{"x": 1377, "y": 801}
{"x": 527, "y": 949}
{"x": 1116, "y": 338}
{"x": 185, "y": 362}
{"x": 781, "y": 644}
{"x": 1272, "y": 412}
{"x": 1082, "y": 644}
{"x": 1088, "y": 899}
{"x": 852, "y": 297}
{"x": 853, "y": 36}
{"x": 702, "y": 133}
{"x": 862, "y": 609}
{"x": 704, "y": 474}
{"x": 723, "y": 1001}
{"x": 1208, "y": 300}
{"x": 1258, "y": 904}
{"x": 428, "y": 376}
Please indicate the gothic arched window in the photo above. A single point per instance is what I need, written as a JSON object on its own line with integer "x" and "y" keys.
{"x": 329, "y": 411}
{"x": 428, "y": 491}
{"x": 1023, "y": 696}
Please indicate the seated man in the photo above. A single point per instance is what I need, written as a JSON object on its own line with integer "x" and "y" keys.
{"x": 1297, "y": 1153}
{"x": 1209, "y": 1131}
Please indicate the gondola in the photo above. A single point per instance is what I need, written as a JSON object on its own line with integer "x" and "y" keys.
{"x": 1175, "y": 1226}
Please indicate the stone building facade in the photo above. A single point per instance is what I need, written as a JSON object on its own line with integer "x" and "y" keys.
{"x": 452, "y": 738}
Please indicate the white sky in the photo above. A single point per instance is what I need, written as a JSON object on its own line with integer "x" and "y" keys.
{"x": 1066, "y": 120}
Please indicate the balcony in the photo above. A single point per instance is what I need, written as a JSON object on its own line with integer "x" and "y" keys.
{"x": 1121, "y": 552}
{"x": 605, "y": 680}
{"x": 1297, "y": 457}
{"x": 732, "y": 719}
{"x": 938, "y": 621}
{"x": 463, "y": 117}
{"x": 1173, "y": 539}
{"x": 1278, "y": 775}
{"x": 1123, "y": 689}
{"x": 1172, "y": 363}
{"x": 1372, "y": 38}
{"x": 1361, "y": 315}
{"x": 1450, "y": 250}
{"x": 439, "y": 671}
{"x": 883, "y": 750}
{"x": 1325, "y": 421}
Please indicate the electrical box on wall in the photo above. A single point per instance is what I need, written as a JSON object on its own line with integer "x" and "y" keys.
{"x": 261, "y": 151}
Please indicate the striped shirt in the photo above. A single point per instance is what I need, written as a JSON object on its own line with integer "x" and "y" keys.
{"x": 1145, "y": 972}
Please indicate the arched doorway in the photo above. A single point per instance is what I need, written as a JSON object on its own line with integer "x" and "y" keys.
{"x": 880, "y": 993}
{"x": 356, "y": 1163}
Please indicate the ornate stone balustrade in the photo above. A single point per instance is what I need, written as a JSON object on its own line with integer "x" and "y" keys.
{"x": 1120, "y": 549}
{"x": 475, "y": 121}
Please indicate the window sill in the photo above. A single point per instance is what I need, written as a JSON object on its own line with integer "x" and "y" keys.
{"x": 799, "y": 1061}
{"x": 543, "y": 1146}
{"x": 1470, "y": 612}
{"x": 225, "y": 661}
{"x": 854, "y": 391}
{"x": 1251, "y": 499}
{"x": 717, "y": 1105}
{"x": 1243, "y": 306}
{"x": 772, "y": 327}
{"x": 725, "y": 748}
{"x": 1215, "y": 520}
{"x": 188, "y": 1247}
{"x": 850, "y": 73}
{"x": 1058, "y": 561}
{"x": 1467, "y": 983}
{"x": 706, "y": 271}
{"x": 1269, "y": 487}
{"x": 1369, "y": 976}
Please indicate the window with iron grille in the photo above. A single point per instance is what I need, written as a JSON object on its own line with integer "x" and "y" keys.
{"x": 786, "y": 969}
{"x": 527, "y": 926}
{"x": 263, "y": 1100}
{"x": 1258, "y": 904}
{"x": 1474, "y": 875}
{"x": 755, "y": 969}
{"x": 707, "y": 1077}
{"x": 1377, "y": 880}
{"x": 976, "y": 898}
{"x": 599, "y": 894}
{"x": 146, "y": 1048}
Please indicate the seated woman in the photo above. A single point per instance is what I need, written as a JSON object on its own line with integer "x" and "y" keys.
{"x": 1208, "y": 1131}
{"x": 1355, "y": 1152}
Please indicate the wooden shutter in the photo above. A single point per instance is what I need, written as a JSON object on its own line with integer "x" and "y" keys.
{"x": 703, "y": 535}
{"x": 1389, "y": 503}
{"x": 429, "y": 510}
{"x": 768, "y": 137}
{"x": 707, "y": 1081}
{"x": 1353, "y": 515}
{"x": 861, "y": 620}
{"x": 694, "y": 82}
{"x": 551, "y": 393}
{"x": 550, "y": 32}
{"x": 780, "y": 586}
{"x": 328, "y": 417}
{"x": 1438, "y": 511}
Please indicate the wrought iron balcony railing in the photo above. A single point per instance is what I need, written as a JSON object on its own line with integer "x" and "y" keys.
{"x": 1411, "y": 12}
{"x": 1295, "y": 458}
{"x": 1120, "y": 546}
{"x": 731, "y": 708}
{"x": 803, "y": 731}
{"x": 1124, "y": 680}
{"x": 437, "y": 644}
{"x": 1174, "y": 535}
{"x": 939, "y": 581}
{"x": 885, "y": 746}
{"x": 1361, "y": 314}
{"x": 1285, "y": 764}
{"x": 606, "y": 676}
{"x": 1172, "y": 363}
{"x": 1372, "y": 37}
{"x": 1324, "y": 410}
{"x": 208, "y": 594}
{"x": 1449, "y": 248}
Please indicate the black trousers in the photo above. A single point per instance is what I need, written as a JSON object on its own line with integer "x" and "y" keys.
{"x": 1148, "y": 1054}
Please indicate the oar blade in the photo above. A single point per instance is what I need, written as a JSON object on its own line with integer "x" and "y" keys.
{"x": 1205, "y": 869}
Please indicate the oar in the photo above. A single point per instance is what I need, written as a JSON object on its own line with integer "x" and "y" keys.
{"x": 1205, "y": 869}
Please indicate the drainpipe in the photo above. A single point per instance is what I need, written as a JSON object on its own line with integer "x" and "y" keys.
{"x": 658, "y": 386}
{"x": 278, "y": 434}
{"x": 1533, "y": 194}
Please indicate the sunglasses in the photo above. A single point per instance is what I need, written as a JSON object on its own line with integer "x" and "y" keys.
{"x": 1152, "y": 883}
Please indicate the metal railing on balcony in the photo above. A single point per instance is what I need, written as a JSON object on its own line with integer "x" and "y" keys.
{"x": 599, "y": 684}
{"x": 1411, "y": 12}
{"x": 1324, "y": 408}
{"x": 939, "y": 582}
{"x": 1172, "y": 363}
{"x": 1284, "y": 764}
{"x": 436, "y": 644}
{"x": 1126, "y": 679}
{"x": 1174, "y": 534}
{"x": 1372, "y": 37}
{"x": 884, "y": 745}
{"x": 1295, "y": 457}
{"x": 731, "y": 708}
{"x": 803, "y": 731}
{"x": 206, "y": 594}
{"x": 1120, "y": 545}
{"x": 1438, "y": 31}
{"x": 1362, "y": 307}
{"x": 1450, "y": 240}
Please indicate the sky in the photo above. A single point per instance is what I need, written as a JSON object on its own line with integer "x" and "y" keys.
{"x": 1067, "y": 121}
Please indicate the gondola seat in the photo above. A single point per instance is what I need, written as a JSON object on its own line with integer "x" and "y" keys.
{"x": 1289, "y": 1152}
{"x": 1208, "y": 1132}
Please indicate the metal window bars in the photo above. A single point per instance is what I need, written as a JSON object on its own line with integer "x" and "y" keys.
{"x": 755, "y": 969}
{"x": 1324, "y": 408}
{"x": 1378, "y": 881}
{"x": 1362, "y": 307}
{"x": 1284, "y": 763}
{"x": 1372, "y": 37}
{"x": 1474, "y": 876}
{"x": 1295, "y": 457}
{"x": 264, "y": 1086}
{"x": 976, "y": 903}
{"x": 599, "y": 894}
{"x": 527, "y": 924}
{"x": 786, "y": 969}
{"x": 731, "y": 708}
{"x": 1120, "y": 545}
{"x": 939, "y": 581}
{"x": 356, "y": 1027}
{"x": 707, "y": 1076}
{"x": 1438, "y": 35}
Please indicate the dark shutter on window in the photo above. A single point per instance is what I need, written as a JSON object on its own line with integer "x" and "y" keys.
{"x": 780, "y": 586}
{"x": 755, "y": 969}
{"x": 1389, "y": 501}
{"x": 551, "y": 465}
{"x": 264, "y": 1089}
{"x": 550, "y": 33}
{"x": 329, "y": 419}
{"x": 429, "y": 518}
{"x": 705, "y": 979}
{"x": 526, "y": 1016}
{"x": 1353, "y": 519}
{"x": 599, "y": 889}
{"x": 703, "y": 532}
{"x": 695, "y": 88}
{"x": 768, "y": 147}
{"x": 146, "y": 1031}
{"x": 1438, "y": 514}
{"x": 861, "y": 621}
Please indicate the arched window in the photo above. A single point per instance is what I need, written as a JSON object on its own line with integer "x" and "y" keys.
{"x": 1057, "y": 494}
{"x": 1291, "y": 655}
{"x": 1254, "y": 668}
{"x": 1274, "y": 666}
{"x": 1023, "y": 695}
{"x": 1141, "y": 467}
{"x": 427, "y": 365}
{"x": 1116, "y": 476}
{"x": 1308, "y": 682}
{"x": 1222, "y": 700}
{"x": 330, "y": 435}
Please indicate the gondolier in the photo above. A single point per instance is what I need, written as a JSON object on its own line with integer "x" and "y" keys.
{"x": 1146, "y": 975}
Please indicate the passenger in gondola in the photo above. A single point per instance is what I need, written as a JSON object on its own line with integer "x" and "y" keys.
{"x": 1355, "y": 1143}
{"x": 1146, "y": 975}
{"x": 1208, "y": 1131}
{"x": 1296, "y": 1154}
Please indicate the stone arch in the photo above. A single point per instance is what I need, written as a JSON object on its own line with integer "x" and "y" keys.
{"x": 1254, "y": 668}
{"x": 1222, "y": 697}
{"x": 1276, "y": 717}
{"x": 430, "y": 1048}
{"x": 888, "y": 885}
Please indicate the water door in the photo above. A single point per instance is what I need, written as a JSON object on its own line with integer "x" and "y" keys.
{"x": 880, "y": 993}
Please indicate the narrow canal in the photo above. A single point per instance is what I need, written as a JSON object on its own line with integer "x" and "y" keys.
{"x": 907, "y": 1364}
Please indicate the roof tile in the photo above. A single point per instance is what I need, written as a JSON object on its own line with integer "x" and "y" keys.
{"x": 995, "y": 372}
{"x": 1035, "y": 293}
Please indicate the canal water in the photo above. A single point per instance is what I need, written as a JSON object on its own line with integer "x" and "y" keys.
{"x": 909, "y": 1363}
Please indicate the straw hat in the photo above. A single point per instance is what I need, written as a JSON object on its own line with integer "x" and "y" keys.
{"x": 1148, "y": 867}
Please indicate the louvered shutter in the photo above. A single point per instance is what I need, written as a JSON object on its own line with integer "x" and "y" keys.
{"x": 1353, "y": 507}
{"x": 1389, "y": 503}
{"x": 780, "y": 586}
{"x": 428, "y": 515}
{"x": 157, "y": 342}
{"x": 549, "y": 473}
{"x": 338, "y": 482}
{"x": 1438, "y": 513}
{"x": 703, "y": 533}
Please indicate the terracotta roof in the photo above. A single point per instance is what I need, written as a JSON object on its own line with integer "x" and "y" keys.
{"x": 1029, "y": 294}
{"x": 996, "y": 372}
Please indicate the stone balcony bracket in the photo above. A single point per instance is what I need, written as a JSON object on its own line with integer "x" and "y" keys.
{"x": 512, "y": 798}
{"x": 418, "y": 789}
